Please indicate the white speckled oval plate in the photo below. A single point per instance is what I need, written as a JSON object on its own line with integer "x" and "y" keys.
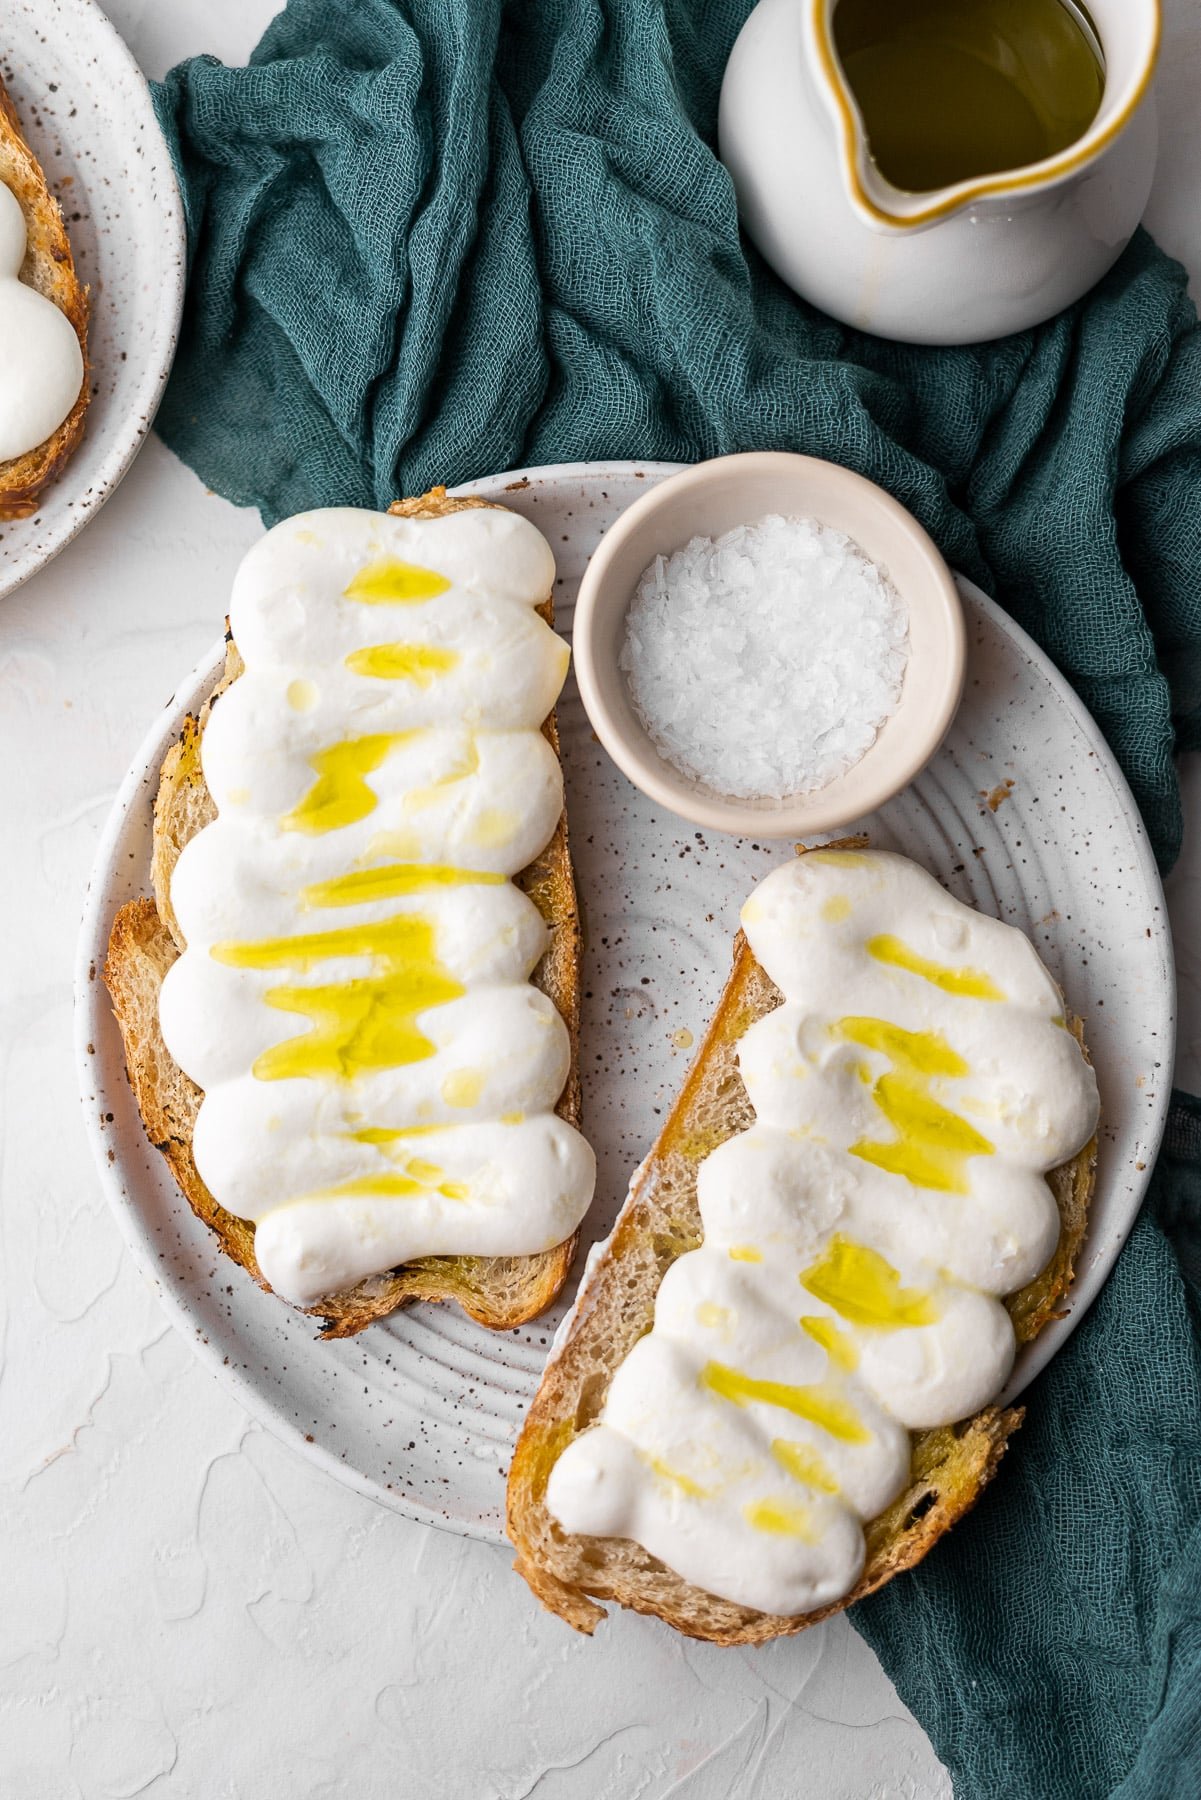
{"x": 1023, "y": 813}
{"x": 85, "y": 108}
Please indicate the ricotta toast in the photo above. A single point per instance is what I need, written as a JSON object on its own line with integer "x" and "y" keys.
{"x": 43, "y": 328}
{"x": 778, "y": 1385}
{"x": 350, "y": 1014}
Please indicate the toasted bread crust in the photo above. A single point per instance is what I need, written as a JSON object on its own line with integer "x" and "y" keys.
{"x": 660, "y": 1222}
{"x": 50, "y": 268}
{"x": 499, "y": 1292}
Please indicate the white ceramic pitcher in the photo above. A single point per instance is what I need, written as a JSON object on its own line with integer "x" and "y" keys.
{"x": 974, "y": 261}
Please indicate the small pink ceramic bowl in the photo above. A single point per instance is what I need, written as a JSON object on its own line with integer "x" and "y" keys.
{"x": 707, "y": 500}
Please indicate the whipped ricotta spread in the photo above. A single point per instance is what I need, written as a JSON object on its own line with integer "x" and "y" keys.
{"x": 41, "y": 364}
{"x": 379, "y": 1074}
{"x": 910, "y": 1095}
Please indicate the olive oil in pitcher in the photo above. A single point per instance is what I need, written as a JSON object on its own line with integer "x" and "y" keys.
{"x": 951, "y": 90}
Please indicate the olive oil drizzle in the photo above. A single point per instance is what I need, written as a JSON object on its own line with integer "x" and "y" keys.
{"x": 973, "y": 984}
{"x": 863, "y": 1288}
{"x": 392, "y": 881}
{"x": 804, "y": 1465}
{"x": 821, "y": 1404}
{"x": 420, "y": 664}
{"x": 341, "y": 795}
{"x": 366, "y": 1023}
{"x": 390, "y": 582}
{"x": 932, "y": 1144}
{"x": 784, "y": 1518}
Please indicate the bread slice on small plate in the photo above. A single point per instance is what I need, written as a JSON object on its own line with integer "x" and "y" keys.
{"x": 500, "y": 1292}
{"x": 660, "y": 1222}
{"x": 50, "y": 269}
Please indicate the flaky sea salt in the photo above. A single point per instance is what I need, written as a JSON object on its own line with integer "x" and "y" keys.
{"x": 764, "y": 663}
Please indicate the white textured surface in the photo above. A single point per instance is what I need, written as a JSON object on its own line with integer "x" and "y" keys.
{"x": 187, "y": 1610}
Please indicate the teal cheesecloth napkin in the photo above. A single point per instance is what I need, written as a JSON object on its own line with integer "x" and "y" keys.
{"x": 433, "y": 239}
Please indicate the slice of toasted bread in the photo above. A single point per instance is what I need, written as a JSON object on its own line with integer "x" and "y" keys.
{"x": 498, "y": 1291}
{"x": 50, "y": 268}
{"x": 659, "y": 1222}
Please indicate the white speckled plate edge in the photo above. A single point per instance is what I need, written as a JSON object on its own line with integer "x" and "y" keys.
{"x": 457, "y": 1391}
{"x": 85, "y": 107}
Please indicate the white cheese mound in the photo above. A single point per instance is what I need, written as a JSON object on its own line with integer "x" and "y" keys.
{"x": 764, "y": 663}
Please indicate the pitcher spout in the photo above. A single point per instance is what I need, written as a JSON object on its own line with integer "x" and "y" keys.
{"x": 1125, "y": 36}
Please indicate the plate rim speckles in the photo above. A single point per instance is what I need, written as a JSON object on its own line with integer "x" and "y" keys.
{"x": 457, "y": 1391}
{"x": 85, "y": 108}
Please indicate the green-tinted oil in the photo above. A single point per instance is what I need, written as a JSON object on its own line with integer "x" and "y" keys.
{"x": 804, "y": 1464}
{"x": 420, "y": 664}
{"x": 341, "y": 794}
{"x": 864, "y": 1289}
{"x": 357, "y": 1026}
{"x": 744, "y": 1253}
{"x": 390, "y": 1184}
{"x": 973, "y": 984}
{"x": 384, "y": 1136}
{"x": 823, "y": 1406}
{"x": 836, "y": 1344}
{"x": 462, "y": 767}
{"x": 393, "y": 880}
{"x": 676, "y": 1478}
{"x": 951, "y": 90}
{"x": 932, "y": 1144}
{"x": 391, "y": 582}
{"x": 781, "y": 1518}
